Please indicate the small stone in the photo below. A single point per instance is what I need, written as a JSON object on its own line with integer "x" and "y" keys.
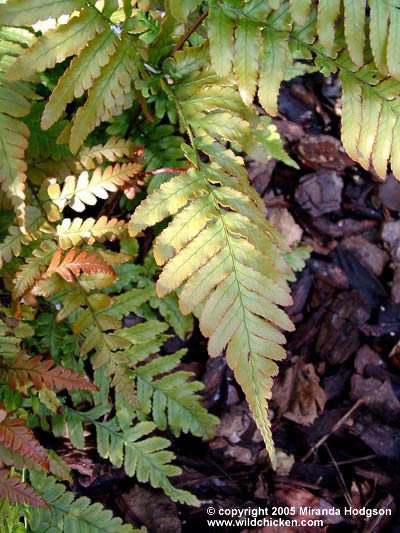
{"x": 316, "y": 151}
{"x": 320, "y": 192}
{"x": 396, "y": 286}
{"x": 389, "y": 193}
{"x": 368, "y": 253}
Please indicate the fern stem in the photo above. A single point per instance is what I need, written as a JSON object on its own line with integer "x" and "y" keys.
{"x": 189, "y": 32}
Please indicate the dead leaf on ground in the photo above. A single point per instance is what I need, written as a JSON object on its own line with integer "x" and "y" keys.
{"x": 298, "y": 395}
{"x": 152, "y": 509}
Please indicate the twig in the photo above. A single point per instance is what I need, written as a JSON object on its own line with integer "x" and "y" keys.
{"x": 336, "y": 426}
{"x": 189, "y": 32}
{"x": 341, "y": 478}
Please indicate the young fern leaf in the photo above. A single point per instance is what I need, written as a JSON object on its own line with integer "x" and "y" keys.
{"x": 33, "y": 268}
{"x": 75, "y": 262}
{"x": 77, "y": 192}
{"x": 227, "y": 258}
{"x": 16, "y": 491}
{"x": 16, "y": 436}
{"x": 114, "y": 148}
{"x": 42, "y": 374}
{"x": 77, "y": 231}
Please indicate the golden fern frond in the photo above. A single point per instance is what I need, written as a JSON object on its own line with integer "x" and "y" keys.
{"x": 14, "y": 103}
{"x": 58, "y": 44}
{"x": 227, "y": 257}
{"x": 110, "y": 94}
{"x": 79, "y": 76}
{"x": 77, "y": 192}
{"x": 27, "y": 12}
{"x": 371, "y": 120}
{"x": 75, "y": 232}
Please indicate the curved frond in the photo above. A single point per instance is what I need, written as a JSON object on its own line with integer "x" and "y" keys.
{"x": 79, "y": 76}
{"x": 15, "y": 435}
{"x": 16, "y": 491}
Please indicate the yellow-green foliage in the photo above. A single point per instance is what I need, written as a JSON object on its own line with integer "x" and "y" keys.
{"x": 102, "y": 99}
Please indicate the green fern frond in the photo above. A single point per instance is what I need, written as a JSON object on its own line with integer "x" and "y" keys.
{"x": 68, "y": 514}
{"x": 172, "y": 399}
{"x": 143, "y": 456}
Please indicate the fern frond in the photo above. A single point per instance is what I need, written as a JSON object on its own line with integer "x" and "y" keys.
{"x": 42, "y": 374}
{"x": 12, "y": 244}
{"x": 32, "y": 269}
{"x": 143, "y": 456}
{"x": 79, "y": 76}
{"x": 15, "y": 435}
{"x": 75, "y": 262}
{"x": 77, "y": 231}
{"x": 58, "y": 44}
{"x": 9, "y": 341}
{"x": 27, "y": 12}
{"x": 181, "y": 10}
{"x": 172, "y": 399}
{"x": 109, "y": 96}
{"x": 14, "y": 141}
{"x": 67, "y": 514}
{"x": 227, "y": 257}
{"x": 77, "y": 192}
{"x": 113, "y": 149}
{"x": 16, "y": 491}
